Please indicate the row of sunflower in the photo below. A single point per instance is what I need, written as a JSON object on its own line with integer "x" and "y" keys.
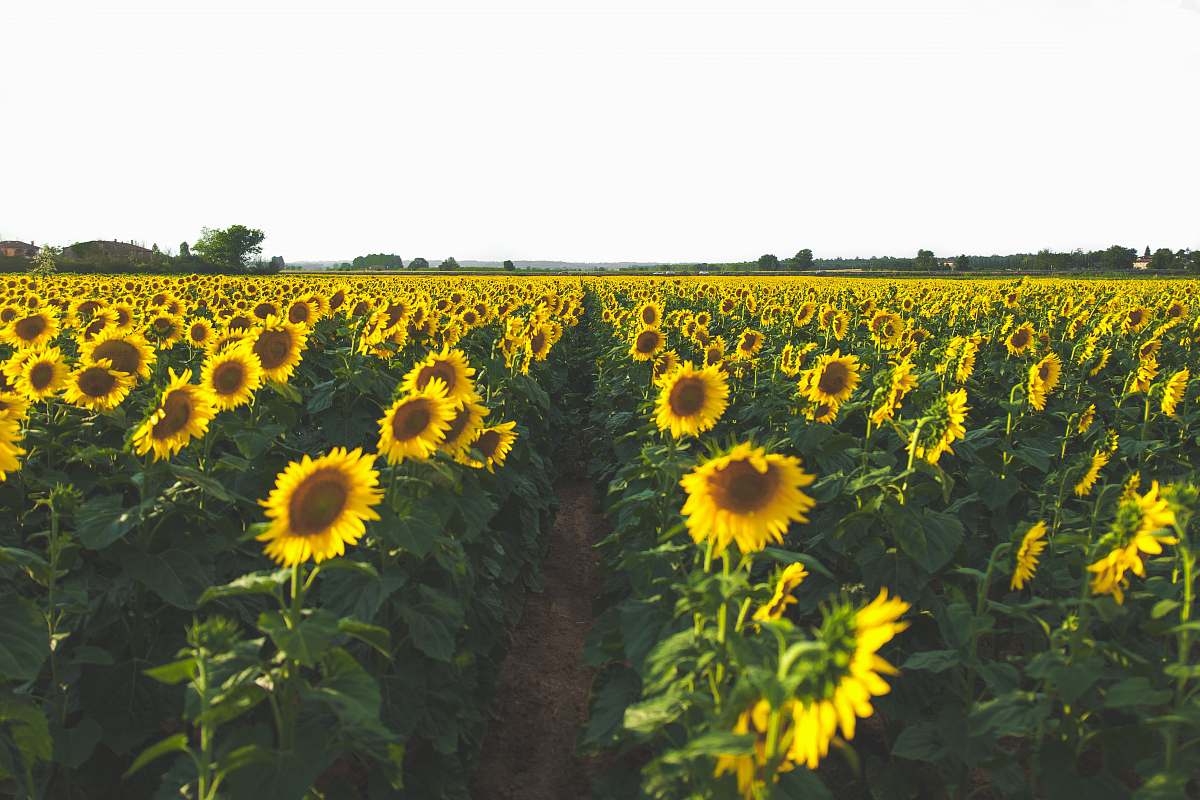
{"x": 386, "y": 441}
{"x": 928, "y": 538}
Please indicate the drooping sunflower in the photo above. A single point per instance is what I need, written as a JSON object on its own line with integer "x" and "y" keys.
{"x": 231, "y": 377}
{"x": 97, "y": 386}
{"x": 416, "y": 423}
{"x": 128, "y": 352}
{"x": 318, "y": 506}
{"x": 1092, "y": 473}
{"x": 746, "y": 496}
{"x": 1020, "y": 340}
{"x": 464, "y": 427}
{"x": 182, "y": 414}
{"x": 1043, "y": 380}
{"x": 1174, "y": 391}
{"x": 901, "y": 381}
{"x": 43, "y": 374}
{"x": 279, "y": 346}
{"x": 943, "y": 427}
{"x": 10, "y": 449}
{"x": 1086, "y": 418}
{"x": 494, "y": 444}
{"x": 1137, "y": 529}
{"x": 690, "y": 400}
{"x": 450, "y": 367}
{"x": 35, "y": 329}
{"x": 646, "y": 344}
{"x": 1032, "y": 545}
{"x": 789, "y": 580}
{"x": 832, "y": 379}
{"x": 666, "y": 363}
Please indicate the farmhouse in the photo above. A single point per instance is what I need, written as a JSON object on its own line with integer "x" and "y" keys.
{"x": 106, "y": 249}
{"x": 18, "y": 249}
{"x": 1141, "y": 263}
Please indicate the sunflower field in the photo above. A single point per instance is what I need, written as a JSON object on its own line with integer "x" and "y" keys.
{"x": 264, "y": 537}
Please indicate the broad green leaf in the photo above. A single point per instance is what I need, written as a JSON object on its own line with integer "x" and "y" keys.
{"x": 24, "y": 639}
{"x": 178, "y": 743}
{"x": 308, "y": 641}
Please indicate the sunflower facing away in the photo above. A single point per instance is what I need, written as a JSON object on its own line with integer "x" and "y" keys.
{"x": 416, "y": 424}
{"x": 1032, "y": 545}
{"x": 1092, "y": 474}
{"x": 690, "y": 400}
{"x": 97, "y": 386}
{"x": 494, "y": 444}
{"x": 1136, "y": 530}
{"x": 1043, "y": 380}
{"x": 450, "y": 367}
{"x": 943, "y": 427}
{"x": 747, "y": 496}
{"x": 318, "y": 506}
{"x": 182, "y": 414}
{"x": 1174, "y": 391}
{"x": 791, "y": 578}
{"x": 232, "y": 377}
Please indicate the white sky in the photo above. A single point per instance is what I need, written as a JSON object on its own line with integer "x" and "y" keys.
{"x": 697, "y": 131}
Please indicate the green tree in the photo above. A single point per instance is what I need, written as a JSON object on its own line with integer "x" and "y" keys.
{"x": 418, "y": 263}
{"x": 803, "y": 259}
{"x": 230, "y": 248}
{"x": 1117, "y": 258}
{"x": 44, "y": 262}
{"x": 448, "y": 264}
{"x": 184, "y": 250}
{"x": 509, "y": 266}
{"x": 1163, "y": 258}
{"x": 925, "y": 260}
{"x": 768, "y": 262}
{"x": 1193, "y": 261}
{"x": 962, "y": 263}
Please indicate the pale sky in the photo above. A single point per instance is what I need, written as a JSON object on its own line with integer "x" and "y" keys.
{"x": 604, "y": 131}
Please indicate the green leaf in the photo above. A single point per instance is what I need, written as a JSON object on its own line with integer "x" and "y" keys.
{"x": 175, "y": 672}
{"x": 1135, "y": 692}
{"x": 433, "y": 623}
{"x": 178, "y": 743}
{"x": 308, "y": 641}
{"x": 654, "y": 713}
{"x": 103, "y": 520}
{"x": 265, "y": 582}
{"x": 174, "y": 575}
{"x": 790, "y": 557}
{"x": 375, "y": 636}
{"x": 933, "y": 660}
{"x": 207, "y": 484}
{"x": 24, "y": 640}
{"x": 918, "y": 742}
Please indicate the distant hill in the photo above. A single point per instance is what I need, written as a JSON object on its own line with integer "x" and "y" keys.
{"x": 470, "y": 264}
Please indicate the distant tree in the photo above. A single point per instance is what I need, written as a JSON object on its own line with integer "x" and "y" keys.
{"x": 44, "y": 263}
{"x": 1163, "y": 258}
{"x": 925, "y": 260}
{"x": 768, "y": 262}
{"x": 1147, "y": 253}
{"x": 448, "y": 264}
{"x": 1193, "y": 261}
{"x": 962, "y": 263}
{"x": 230, "y": 248}
{"x": 1116, "y": 258}
{"x": 803, "y": 259}
{"x": 418, "y": 263}
{"x": 184, "y": 250}
{"x": 379, "y": 261}
{"x": 508, "y": 265}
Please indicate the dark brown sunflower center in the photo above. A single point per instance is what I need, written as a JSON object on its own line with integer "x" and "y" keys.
{"x": 8, "y": 315}
{"x": 411, "y": 420}
{"x": 123, "y": 355}
{"x": 199, "y": 333}
{"x": 30, "y": 328}
{"x": 834, "y": 378}
{"x": 272, "y": 348}
{"x": 458, "y": 424}
{"x": 298, "y": 313}
{"x": 538, "y": 342}
{"x": 239, "y": 323}
{"x": 317, "y": 502}
{"x": 96, "y": 382}
{"x": 742, "y": 489}
{"x": 1135, "y": 316}
{"x": 264, "y": 310}
{"x": 177, "y": 410}
{"x": 487, "y": 443}
{"x": 1044, "y": 372}
{"x": 647, "y": 341}
{"x": 87, "y": 307}
{"x": 1020, "y": 338}
{"x": 687, "y": 397}
{"x": 649, "y": 315}
{"x": 41, "y": 375}
{"x": 228, "y": 377}
{"x": 338, "y": 298}
{"x": 163, "y": 326}
{"x": 442, "y": 370}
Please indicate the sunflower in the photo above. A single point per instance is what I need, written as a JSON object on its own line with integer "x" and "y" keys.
{"x": 539, "y": 341}
{"x": 1084, "y": 487}
{"x": 43, "y": 374}
{"x": 182, "y": 414}
{"x": 199, "y": 333}
{"x": 164, "y": 329}
{"x": 791, "y": 578}
{"x": 35, "y": 329}
{"x": 900, "y": 383}
{"x": 128, "y": 352}
{"x": 318, "y": 506}
{"x": 1032, "y": 545}
{"x": 714, "y": 352}
{"x": 650, "y": 314}
{"x": 1020, "y": 340}
{"x": 832, "y": 379}
{"x": 278, "y": 345}
{"x": 1136, "y": 530}
{"x": 10, "y": 450}
{"x": 416, "y": 424}
{"x": 666, "y": 363}
{"x": 646, "y": 344}
{"x": 464, "y": 427}
{"x": 749, "y": 343}
{"x": 943, "y": 427}
{"x": 747, "y": 496}
{"x": 1043, "y": 379}
{"x": 450, "y": 367}
{"x": 1086, "y": 418}
{"x": 494, "y": 444}
{"x": 690, "y": 400}
{"x": 97, "y": 386}
{"x": 231, "y": 377}
{"x": 1174, "y": 390}
{"x": 302, "y": 312}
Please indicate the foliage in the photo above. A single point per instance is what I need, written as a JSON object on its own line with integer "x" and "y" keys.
{"x": 229, "y": 248}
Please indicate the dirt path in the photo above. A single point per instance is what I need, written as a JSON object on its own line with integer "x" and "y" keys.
{"x": 541, "y": 699}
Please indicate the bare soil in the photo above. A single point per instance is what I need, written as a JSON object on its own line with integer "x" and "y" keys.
{"x": 541, "y": 699}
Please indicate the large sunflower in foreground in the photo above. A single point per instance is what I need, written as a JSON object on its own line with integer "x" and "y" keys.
{"x": 318, "y": 506}
{"x": 97, "y": 386}
{"x": 832, "y": 379}
{"x": 450, "y": 367}
{"x": 494, "y": 444}
{"x": 690, "y": 400}
{"x": 182, "y": 414}
{"x": 278, "y": 345}
{"x": 416, "y": 424}
{"x": 748, "y": 496}
{"x": 231, "y": 377}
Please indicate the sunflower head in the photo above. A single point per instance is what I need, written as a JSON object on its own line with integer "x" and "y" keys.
{"x": 231, "y": 377}
{"x": 690, "y": 400}
{"x": 493, "y": 444}
{"x": 278, "y": 345}
{"x": 416, "y": 423}
{"x": 450, "y": 367}
{"x": 43, "y": 374}
{"x": 182, "y": 414}
{"x": 646, "y": 344}
{"x": 128, "y": 352}
{"x": 832, "y": 379}
{"x": 97, "y": 386}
